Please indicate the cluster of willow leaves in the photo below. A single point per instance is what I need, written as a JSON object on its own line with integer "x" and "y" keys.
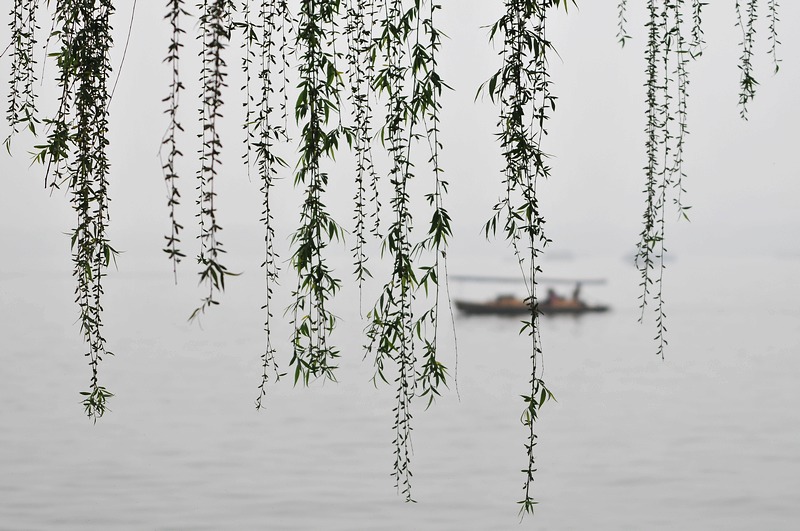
{"x": 360, "y": 76}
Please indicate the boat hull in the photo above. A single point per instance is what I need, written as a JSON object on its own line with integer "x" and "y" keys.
{"x": 493, "y": 308}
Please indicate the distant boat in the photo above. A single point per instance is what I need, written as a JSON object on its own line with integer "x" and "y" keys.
{"x": 510, "y": 305}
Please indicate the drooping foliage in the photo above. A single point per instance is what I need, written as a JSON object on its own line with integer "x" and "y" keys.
{"x": 521, "y": 87}
{"x": 363, "y": 76}
{"x": 175, "y": 14}
{"x": 75, "y": 149}
{"x": 674, "y": 38}
{"x": 22, "y": 98}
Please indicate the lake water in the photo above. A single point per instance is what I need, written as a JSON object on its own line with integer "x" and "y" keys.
{"x": 707, "y": 439}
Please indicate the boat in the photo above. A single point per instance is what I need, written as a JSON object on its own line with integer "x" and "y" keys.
{"x": 511, "y": 305}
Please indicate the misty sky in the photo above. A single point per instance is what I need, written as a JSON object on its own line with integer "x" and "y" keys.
{"x": 742, "y": 176}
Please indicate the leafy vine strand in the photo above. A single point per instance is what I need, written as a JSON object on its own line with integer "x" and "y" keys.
{"x": 22, "y": 98}
{"x": 317, "y": 101}
{"x": 521, "y": 87}
{"x": 274, "y": 19}
{"x": 170, "y": 141}
{"x": 215, "y": 28}
{"x": 75, "y": 154}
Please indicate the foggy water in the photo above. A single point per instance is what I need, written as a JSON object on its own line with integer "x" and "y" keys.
{"x": 707, "y": 439}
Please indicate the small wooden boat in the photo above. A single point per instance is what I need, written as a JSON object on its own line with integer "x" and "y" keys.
{"x": 510, "y": 305}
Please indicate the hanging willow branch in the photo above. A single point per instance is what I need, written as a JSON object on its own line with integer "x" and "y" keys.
{"x": 391, "y": 329}
{"x": 318, "y": 100}
{"x": 75, "y": 155}
{"x": 359, "y": 21}
{"x": 522, "y": 89}
{"x": 747, "y": 83}
{"x": 667, "y": 55}
{"x": 215, "y": 27}
{"x": 169, "y": 142}
{"x": 660, "y": 144}
{"x": 274, "y": 21}
{"x": 22, "y": 99}
{"x": 772, "y": 16}
{"x": 622, "y": 22}
{"x": 697, "y": 35}
{"x": 426, "y": 102}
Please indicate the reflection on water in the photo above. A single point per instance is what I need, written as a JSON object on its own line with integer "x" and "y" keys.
{"x": 707, "y": 439}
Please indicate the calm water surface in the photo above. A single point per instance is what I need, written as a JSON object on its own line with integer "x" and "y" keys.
{"x": 707, "y": 439}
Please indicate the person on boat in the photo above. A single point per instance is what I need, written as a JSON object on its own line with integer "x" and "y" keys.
{"x": 576, "y": 296}
{"x": 552, "y": 297}
{"x": 576, "y": 293}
